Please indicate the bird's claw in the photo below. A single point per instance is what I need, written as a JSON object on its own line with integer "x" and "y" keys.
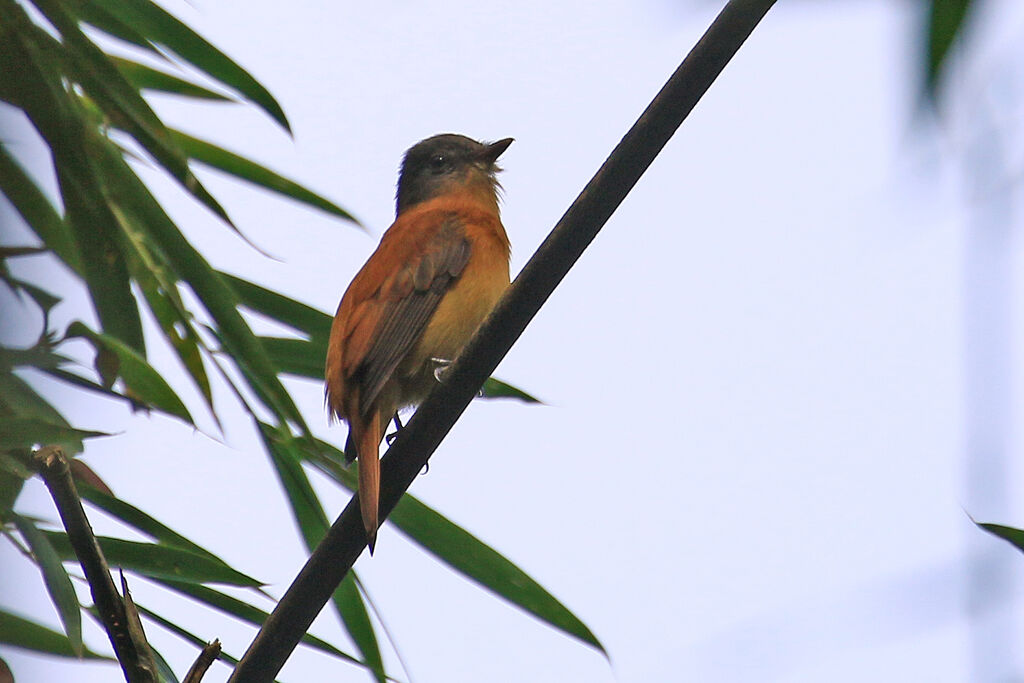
{"x": 441, "y": 367}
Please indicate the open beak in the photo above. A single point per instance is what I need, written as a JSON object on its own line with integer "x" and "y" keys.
{"x": 494, "y": 150}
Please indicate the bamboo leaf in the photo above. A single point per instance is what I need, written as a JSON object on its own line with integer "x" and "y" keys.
{"x": 463, "y": 552}
{"x": 945, "y": 24}
{"x": 26, "y": 432}
{"x": 182, "y": 633}
{"x": 141, "y": 209}
{"x": 58, "y": 583}
{"x": 163, "y": 669}
{"x": 495, "y": 388}
{"x": 1014, "y": 537}
{"x": 43, "y": 299}
{"x": 137, "y": 519}
{"x": 37, "y": 211}
{"x": 111, "y": 25}
{"x": 313, "y": 525}
{"x": 158, "y": 561}
{"x": 158, "y": 26}
{"x": 104, "y": 267}
{"x": 20, "y": 632}
{"x": 15, "y": 467}
{"x": 477, "y": 561}
{"x": 295, "y": 356}
{"x": 123, "y": 103}
{"x": 240, "y": 167}
{"x": 147, "y": 78}
{"x": 89, "y": 385}
{"x": 248, "y": 613}
{"x": 18, "y": 399}
{"x": 142, "y": 382}
{"x": 302, "y": 317}
{"x": 161, "y": 293}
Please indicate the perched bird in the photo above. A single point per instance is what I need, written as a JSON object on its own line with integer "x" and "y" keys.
{"x": 437, "y": 273}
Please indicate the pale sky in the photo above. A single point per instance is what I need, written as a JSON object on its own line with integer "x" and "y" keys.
{"x": 750, "y": 466}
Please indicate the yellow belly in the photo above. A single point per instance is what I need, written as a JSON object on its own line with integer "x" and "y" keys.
{"x": 461, "y": 311}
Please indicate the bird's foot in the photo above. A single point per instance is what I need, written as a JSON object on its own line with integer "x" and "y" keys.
{"x": 394, "y": 435}
{"x": 441, "y": 367}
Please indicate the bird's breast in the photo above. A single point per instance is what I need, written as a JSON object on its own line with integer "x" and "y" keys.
{"x": 463, "y": 308}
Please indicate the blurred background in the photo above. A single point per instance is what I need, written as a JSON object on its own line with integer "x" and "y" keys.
{"x": 777, "y": 387}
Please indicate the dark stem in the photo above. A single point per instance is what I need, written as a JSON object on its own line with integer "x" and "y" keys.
{"x": 56, "y": 472}
{"x": 203, "y": 662}
{"x": 414, "y": 444}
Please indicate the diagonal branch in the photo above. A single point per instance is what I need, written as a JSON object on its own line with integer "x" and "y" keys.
{"x": 346, "y": 539}
{"x": 129, "y": 643}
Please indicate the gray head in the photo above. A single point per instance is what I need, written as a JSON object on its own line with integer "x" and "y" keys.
{"x": 448, "y": 163}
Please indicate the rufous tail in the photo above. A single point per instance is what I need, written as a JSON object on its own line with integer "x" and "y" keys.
{"x": 368, "y": 440}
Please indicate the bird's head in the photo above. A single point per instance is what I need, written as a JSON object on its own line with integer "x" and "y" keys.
{"x": 449, "y": 163}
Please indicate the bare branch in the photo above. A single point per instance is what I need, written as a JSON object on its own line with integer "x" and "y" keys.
{"x": 203, "y": 662}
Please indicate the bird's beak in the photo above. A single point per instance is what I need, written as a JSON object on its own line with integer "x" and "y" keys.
{"x": 494, "y": 150}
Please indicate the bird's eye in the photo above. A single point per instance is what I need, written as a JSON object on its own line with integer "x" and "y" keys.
{"x": 438, "y": 162}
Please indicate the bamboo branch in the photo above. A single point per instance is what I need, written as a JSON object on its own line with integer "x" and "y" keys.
{"x": 346, "y": 539}
{"x": 56, "y": 472}
{"x": 203, "y": 662}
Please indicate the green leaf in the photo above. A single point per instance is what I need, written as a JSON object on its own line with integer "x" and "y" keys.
{"x": 313, "y": 524}
{"x": 158, "y": 26}
{"x": 20, "y": 632}
{"x": 104, "y": 267}
{"x": 111, "y": 25}
{"x": 83, "y": 383}
{"x": 183, "y": 634}
{"x": 142, "y": 210}
{"x": 15, "y": 467}
{"x": 122, "y": 103}
{"x": 147, "y": 78}
{"x": 314, "y": 323}
{"x": 142, "y": 382}
{"x": 463, "y": 552}
{"x": 139, "y": 520}
{"x": 240, "y": 167}
{"x": 18, "y": 399}
{"x": 58, "y": 583}
{"x": 43, "y": 299}
{"x": 158, "y": 561}
{"x": 26, "y": 432}
{"x": 248, "y": 613}
{"x": 475, "y": 560}
{"x": 495, "y": 388}
{"x": 37, "y": 211}
{"x": 161, "y": 293}
{"x": 1014, "y": 537}
{"x": 296, "y": 356}
{"x": 945, "y": 23}
{"x": 40, "y": 356}
{"x": 163, "y": 669}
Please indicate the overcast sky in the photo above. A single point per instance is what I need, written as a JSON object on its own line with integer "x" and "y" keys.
{"x": 751, "y": 462}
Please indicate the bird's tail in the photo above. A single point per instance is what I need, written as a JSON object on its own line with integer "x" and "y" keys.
{"x": 367, "y": 445}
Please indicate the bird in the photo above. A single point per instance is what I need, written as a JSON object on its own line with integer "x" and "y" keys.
{"x": 437, "y": 273}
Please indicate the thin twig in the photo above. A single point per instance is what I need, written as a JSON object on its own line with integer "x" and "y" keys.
{"x": 53, "y": 466}
{"x": 206, "y": 658}
{"x": 338, "y": 551}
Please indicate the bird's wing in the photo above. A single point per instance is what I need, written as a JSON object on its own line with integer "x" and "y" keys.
{"x": 404, "y": 303}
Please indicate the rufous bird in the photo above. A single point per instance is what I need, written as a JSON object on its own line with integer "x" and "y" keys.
{"x": 438, "y": 272}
